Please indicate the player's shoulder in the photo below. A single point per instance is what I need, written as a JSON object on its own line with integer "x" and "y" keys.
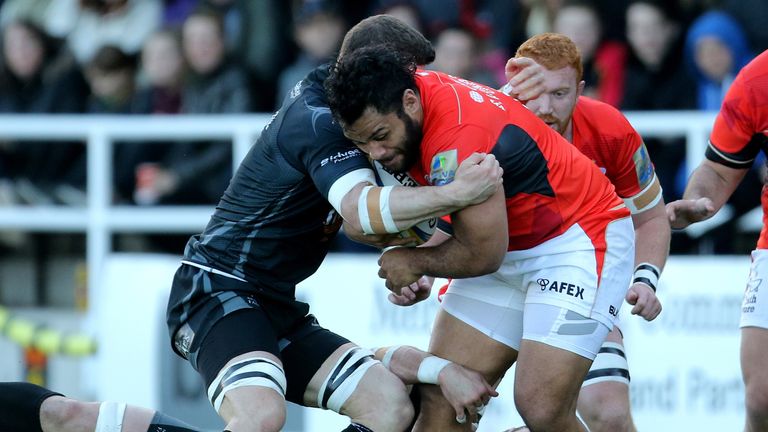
{"x": 757, "y": 69}
{"x": 603, "y": 117}
{"x": 593, "y": 107}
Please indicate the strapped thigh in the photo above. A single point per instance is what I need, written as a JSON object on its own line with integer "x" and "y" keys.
{"x": 609, "y": 365}
{"x": 344, "y": 378}
{"x": 254, "y": 371}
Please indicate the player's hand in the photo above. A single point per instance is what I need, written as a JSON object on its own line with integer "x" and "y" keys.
{"x": 466, "y": 391}
{"x": 526, "y": 79}
{"x": 413, "y": 293}
{"x": 477, "y": 179}
{"x": 684, "y": 212}
{"x": 395, "y": 268}
{"x": 644, "y": 300}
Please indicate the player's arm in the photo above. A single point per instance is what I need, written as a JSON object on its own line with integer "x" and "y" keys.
{"x": 652, "y": 236}
{"x": 370, "y": 209}
{"x": 477, "y": 247}
{"x": 464, "y": 389}
{"x": 709, "y": 187}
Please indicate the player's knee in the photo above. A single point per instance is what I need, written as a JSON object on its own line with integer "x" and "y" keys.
{"x": 605, "y": 410}
{"x": 268, "y": 416}
{"x": 541, "y": 411}
{"x": 395, "y": 412}
{"x": 609, "y": 417}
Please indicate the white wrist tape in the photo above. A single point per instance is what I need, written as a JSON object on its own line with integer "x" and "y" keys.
{"x": 110, "y": 417}
{"x": 374, "y": 212}
{"x": 430, "y": 368}
{"x": 648, "y": 274}
{"x": 387, "y": 359}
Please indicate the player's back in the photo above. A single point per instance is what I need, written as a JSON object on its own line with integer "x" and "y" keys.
{"x": 273, "y": 223}
{"x": 548, "y": 184}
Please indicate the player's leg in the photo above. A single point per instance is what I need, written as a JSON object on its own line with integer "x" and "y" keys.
{"x": 754, "y": 351}
{"x": 329, "y": 372}
{"x": 604, "y": 397}
{"x": 479, "y": 326}
{"x": 549, "y": 375}
{"x": 571, "y": 304}
{"x": 244, "y": 378}
{"x": 460, "y": 343}
{"x": 754, "y": 344}
{"x": 27, "y": 407}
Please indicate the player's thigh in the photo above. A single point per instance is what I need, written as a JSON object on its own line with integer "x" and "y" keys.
{"x": 242, "y": 371}
{"x": 607, "y": 382}
{"x": 480, "y": 323}
{"x": 462, "y": 343}
{"x": 754, "y": 352}
{"x": 357, "y": 386}
{"x": 327, "y": 370}
{"x": 556, "y": 352}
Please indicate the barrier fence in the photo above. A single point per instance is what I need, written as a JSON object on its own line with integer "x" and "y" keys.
{"x": 100, "y": 218}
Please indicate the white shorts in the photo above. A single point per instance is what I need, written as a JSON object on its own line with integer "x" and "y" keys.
{"x": 561, "y": 272}
{"x": 754, "y": 307}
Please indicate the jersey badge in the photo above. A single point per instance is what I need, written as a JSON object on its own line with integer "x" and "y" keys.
{"x": 643, "y": 166}
{"x": 477, "y": 97}
{"x": 443, "y": 167}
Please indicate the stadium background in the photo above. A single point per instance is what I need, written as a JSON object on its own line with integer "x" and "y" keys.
{"x": 89, "y": 235}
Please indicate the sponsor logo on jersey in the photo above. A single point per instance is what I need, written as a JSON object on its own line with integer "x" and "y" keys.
{"x": 477, "y": 97}
{"x": 443, "y": 167}
{"x": 643, "y": 166}
{"x": 561, "y": 287}
{"x": 340, "y": 157}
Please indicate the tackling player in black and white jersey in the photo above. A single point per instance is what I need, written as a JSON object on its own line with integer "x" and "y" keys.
{"x": 232, "y": 311}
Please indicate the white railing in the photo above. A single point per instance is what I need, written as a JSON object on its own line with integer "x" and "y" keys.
{"x": 99, "y": 219}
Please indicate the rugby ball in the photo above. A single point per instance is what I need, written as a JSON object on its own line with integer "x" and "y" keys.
{"x": 422, "y": 231}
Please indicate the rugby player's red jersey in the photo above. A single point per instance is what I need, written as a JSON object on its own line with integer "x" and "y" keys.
{"x": 604, "y": 135}
{"x": 548, "y": 184}
{"x": 741, "y": 127}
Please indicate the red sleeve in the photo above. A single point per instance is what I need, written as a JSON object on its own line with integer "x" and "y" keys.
{"x": 633, "y": 170}
{"x": 732, "y": 141}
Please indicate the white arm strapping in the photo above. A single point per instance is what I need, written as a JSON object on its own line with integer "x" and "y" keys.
{"x": 374, "y": 212}
{"x": 387, "y": 359}
{"x": 110, "y": 417}
{"x": 346, "y": 183}
{"x": 430, "y": 368}
{"x": 646, "y": 199}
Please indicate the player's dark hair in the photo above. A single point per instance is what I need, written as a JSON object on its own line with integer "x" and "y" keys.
{"x": 375, "y": 76}
{"x": 385, "y": 29}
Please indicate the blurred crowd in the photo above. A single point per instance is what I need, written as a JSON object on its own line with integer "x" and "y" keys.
{"x": 169, "y": 57}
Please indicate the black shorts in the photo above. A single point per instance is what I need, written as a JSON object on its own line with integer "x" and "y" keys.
{"x": 230, "y": 323}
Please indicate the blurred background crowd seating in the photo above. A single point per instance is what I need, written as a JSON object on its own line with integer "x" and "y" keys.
{"x": 169, "y": 57}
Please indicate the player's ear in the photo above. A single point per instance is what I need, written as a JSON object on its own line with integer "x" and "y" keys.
{"x": 411, "y": 102}
{"x": 580, "y": 88}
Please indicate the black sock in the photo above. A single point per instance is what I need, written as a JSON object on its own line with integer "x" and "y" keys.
{"x": 354, "y": 427}
{"x": 163, "y": 423}
{"x": 20, "y": 406}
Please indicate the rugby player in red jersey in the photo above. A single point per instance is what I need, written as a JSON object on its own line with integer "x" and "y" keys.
{"x": 544, "y": 264}
{"x": 605, "y": 136}
{"x": 739, "y": 134}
